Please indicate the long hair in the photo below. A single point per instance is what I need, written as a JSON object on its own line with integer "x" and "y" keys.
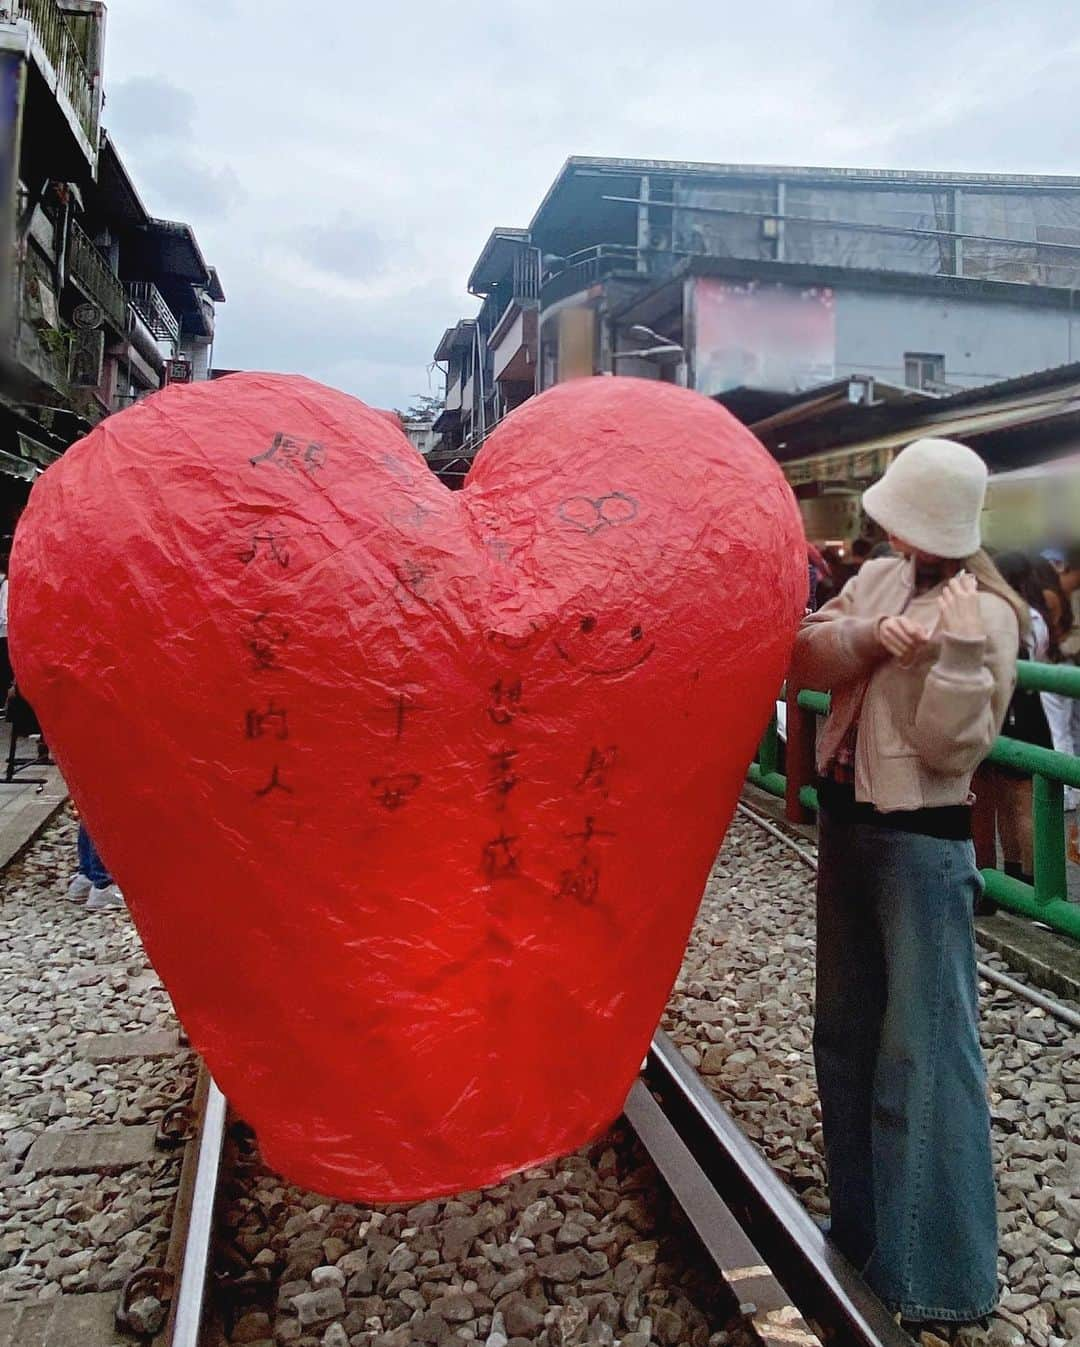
{"x": 991, "y": 581}
{"x": 1050, "y": 583}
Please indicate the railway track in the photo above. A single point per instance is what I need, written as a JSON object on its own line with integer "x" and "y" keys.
{"x": 775, "y": 1260}
{"x": 753, "y": 1229}
{"x": 790, "y": 1288}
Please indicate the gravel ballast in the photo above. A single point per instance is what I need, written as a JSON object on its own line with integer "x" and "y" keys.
{"x": 66, "y": 977}
{"x": 742, "y": 1013}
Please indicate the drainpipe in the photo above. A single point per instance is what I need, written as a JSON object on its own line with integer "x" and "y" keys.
{"x": 61, "y": 270}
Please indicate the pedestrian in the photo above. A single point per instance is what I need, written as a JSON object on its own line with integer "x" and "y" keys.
{"x": 1055, "y": 601}
{"x": 92, "y": 884}
{"x": 5, "y": 659}
{"x": 819, "y": 571}
{"x": 919, "y": 652}
{"x": 1003, "y": 804}
{"x": 1068, "y": 567}
{"x": 1069, "y": 574}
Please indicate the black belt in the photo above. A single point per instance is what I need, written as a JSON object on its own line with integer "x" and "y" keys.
{"x": 949, "y": 822}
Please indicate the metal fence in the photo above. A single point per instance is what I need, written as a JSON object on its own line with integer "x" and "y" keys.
{"x": 57, "y": 41}
{"x": 150, "y": 303}
{"x": 1047, "y": 899}
{"x": 97, "y": 279}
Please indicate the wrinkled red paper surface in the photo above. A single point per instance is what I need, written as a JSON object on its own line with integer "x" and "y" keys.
{"x": 412, "y": 793}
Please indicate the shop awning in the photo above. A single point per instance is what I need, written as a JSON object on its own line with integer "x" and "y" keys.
{"x": 870, "y": 458}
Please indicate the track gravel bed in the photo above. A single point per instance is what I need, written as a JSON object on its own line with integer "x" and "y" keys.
{"x": 587, "y": 1250}
{"x": 66, "y": 976}
{"x": 742, "y": 1013}
{"x": 590, "y": 1249}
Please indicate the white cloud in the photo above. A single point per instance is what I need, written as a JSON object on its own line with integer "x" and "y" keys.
{"x": 343, "y": 163}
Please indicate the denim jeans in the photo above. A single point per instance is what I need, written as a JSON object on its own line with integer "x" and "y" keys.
{"x": 90, "y": 863}
{"x": 900, "y": 1071}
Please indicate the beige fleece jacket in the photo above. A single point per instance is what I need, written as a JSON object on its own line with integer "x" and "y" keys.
{"x": 923, "y": 729}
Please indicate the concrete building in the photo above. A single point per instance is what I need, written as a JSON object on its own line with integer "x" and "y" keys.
{"x": 490, "y": 360}
{"x": 753, "y": 284}
{"x": 420, "y": 433}
{"x": 105, "y": 303}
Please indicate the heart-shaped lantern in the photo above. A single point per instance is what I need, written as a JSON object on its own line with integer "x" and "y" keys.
{"x": 412, "y": 792}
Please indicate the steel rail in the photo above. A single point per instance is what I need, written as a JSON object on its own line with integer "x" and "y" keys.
{"x": 773, "y": 1316}
{"x": 1065, "y": 1014}
{"x": 185, "y": 1326}
{"x": 736, "y": 1178}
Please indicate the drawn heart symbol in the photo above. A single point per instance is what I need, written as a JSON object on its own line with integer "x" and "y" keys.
{"x": 412, "y": 793}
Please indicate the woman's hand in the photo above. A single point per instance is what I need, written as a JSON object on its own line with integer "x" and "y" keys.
{"x": 902, "y": 637}
{"x": 959, "y": 604}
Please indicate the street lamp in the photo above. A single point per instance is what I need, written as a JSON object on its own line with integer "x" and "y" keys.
{"x": 651, "y": 353}
{"x": 644, "y": 333}
{"x": 663, "y": 352}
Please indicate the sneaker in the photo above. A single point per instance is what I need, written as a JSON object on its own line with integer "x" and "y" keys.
{"x": 79, "y": 889}
{"x": 104, "y": 900}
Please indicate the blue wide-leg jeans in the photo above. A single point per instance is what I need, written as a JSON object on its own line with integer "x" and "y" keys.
{"x": 900, "y": 1071}
{"x": 90, "y": 863}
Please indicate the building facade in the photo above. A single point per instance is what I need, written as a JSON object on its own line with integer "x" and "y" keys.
{"x": 104, "y": 302}
{"x": 754, "y": 284}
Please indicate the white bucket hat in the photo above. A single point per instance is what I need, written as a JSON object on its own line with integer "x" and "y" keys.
{"x": 931, "y": 497}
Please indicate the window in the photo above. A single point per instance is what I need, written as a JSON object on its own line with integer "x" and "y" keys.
{"x": 924, "y": 371}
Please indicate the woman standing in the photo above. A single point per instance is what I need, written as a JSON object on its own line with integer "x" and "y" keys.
{"x": 919, "y": 652}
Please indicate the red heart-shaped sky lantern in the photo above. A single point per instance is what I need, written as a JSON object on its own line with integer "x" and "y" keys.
{"x": 412, "y": 792}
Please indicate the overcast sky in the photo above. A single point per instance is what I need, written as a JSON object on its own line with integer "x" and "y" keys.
{"x": 343, "y": 161}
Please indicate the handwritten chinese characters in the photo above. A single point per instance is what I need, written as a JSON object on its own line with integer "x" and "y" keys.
{"x": 293, "y": 453}
{"x": 269, "y": 546}
{"x": 265, "y": 638}
{"x": 273, "y": 722}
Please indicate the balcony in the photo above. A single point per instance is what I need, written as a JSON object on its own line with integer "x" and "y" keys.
{"x": 581, "y": 271}
{"x": 514, "y": 335}
{"x": 96, "y": 279}
{"x": 514, "y": 346}
{"x": 55, "y": 52}
{"x": 149, "y": 303}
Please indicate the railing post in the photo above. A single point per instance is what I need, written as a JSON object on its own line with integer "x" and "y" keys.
{"x": 1048, "y": 808}
{"x": 801, "y": 741}
{"x": 769, "y": 752}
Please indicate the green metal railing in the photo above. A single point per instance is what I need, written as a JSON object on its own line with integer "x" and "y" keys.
{"x": 1047, "y": 899}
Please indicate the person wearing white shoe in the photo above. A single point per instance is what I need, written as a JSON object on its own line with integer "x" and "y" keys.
{"x": 104, "y": 899}
{"x": 93, "y": 884}
{"x": 79, "y": 889}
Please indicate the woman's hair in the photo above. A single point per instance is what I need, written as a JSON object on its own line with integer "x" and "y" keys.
{"x": 1050, "y": 583}
{"x": 882, "y": 549}
{"x": 992, "y": 580}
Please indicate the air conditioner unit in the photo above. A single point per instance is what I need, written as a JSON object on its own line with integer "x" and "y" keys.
{"x": 178, "y": 371}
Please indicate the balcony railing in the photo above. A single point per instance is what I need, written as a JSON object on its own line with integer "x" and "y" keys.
{"x": 527, "y": 274}
{"x": 47, "y": 23}
{"x": 156, "y": 314}
{"x": 567, "y": 275}
{"x": 97, "y": 279}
